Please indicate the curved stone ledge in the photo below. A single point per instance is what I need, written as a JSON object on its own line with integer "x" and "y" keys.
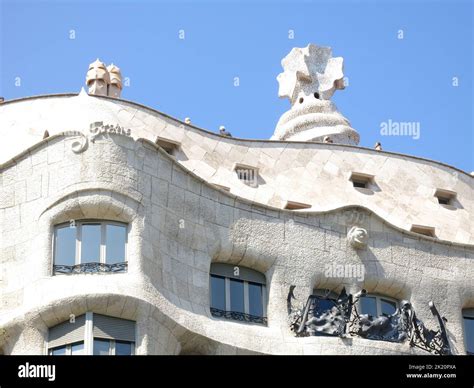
{"x": 172, "y": 263}
{"x": 323, "y": 169}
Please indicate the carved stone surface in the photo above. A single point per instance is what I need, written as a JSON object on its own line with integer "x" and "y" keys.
{"x": 115, "y": 86}
{"x": 308, "y": 70}
{"x": 79, "y": 146}
{"x": 358, "y": 237}
{"x": 96, "y": 130}
{"x": 310, "y": 77}
{"x": 98, "y": 78}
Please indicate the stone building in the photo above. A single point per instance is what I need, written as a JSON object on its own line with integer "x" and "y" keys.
{"x": 127, "y": 231}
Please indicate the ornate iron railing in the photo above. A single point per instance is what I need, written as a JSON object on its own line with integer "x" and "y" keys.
{"x": 238, "y": 316}
{"x": 344, "y": 320}
{"x": 91, "y": 268}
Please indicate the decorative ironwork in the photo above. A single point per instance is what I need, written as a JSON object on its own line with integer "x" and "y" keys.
{"x": 91, "y": 268}
{"x": 391, "y": 328}
{"x": 314, "y": 319}
{"x": 341, "y": 318}
{"x": 432, "y": 341}
{"x": 238, "y": 316}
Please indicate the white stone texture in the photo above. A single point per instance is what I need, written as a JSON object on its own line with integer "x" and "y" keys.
{"x": 166, "y": 289}
{"x": 312, "y": 173}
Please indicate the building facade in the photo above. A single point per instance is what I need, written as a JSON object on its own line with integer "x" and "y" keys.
{"x": 126, "y": 231}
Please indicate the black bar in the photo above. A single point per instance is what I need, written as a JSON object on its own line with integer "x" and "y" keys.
{"x": 318, "y": 371}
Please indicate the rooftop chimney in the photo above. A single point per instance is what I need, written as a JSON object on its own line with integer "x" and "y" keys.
{"x": 104, "y": 80}
{"x": 310, "y": 77}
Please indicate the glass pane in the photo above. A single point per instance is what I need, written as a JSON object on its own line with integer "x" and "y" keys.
{"x": 237, "y": 295}
{"x": 218, "y": 292}
{"x": 123, "y": 348}
{"x": 388, "y": 307}
{"x": 77, "y": 348}
{"x": 60, "y": 351}
{"x": 101, "y": 347}
{"x": 115, "y": 243}
{"x": 368, "y": 305}
{"x": 469, "y": 334}
{"x": 90, "y": 243}
{"x": 255, "y": 300}
{"x": 65, "y": 247}
{"x": 323, "y": 305}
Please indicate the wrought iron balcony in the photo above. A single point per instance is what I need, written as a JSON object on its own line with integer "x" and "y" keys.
{"x": 238, "y": 316}
{"x": 90, "y": 268}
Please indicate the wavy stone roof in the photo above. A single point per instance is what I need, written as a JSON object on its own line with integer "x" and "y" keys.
{"x": 316, "y": 174}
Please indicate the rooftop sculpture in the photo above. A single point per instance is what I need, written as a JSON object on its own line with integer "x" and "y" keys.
{"x": 310, "y": 70}
{"x": 104, "y": 80}
{"x": 310, "y": 77}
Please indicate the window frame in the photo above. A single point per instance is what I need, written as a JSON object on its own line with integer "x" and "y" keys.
{"x": 378, "y": 303}
{"x": 246, "y": 174}
{"x": 112, "y": 346}
{"x": 467, "y": 313}
{"x": 362, "y": 181}
{"x": 246, "y": 294}
{"x": 89, "y": 338}
{"x": 78, "y": 224}
{"x": 246, "y": 281}
{"x": 68, "y": 349}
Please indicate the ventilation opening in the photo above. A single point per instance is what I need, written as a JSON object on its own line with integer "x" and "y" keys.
{"x": 301, "y": 100}
{"x": 168, "y": 145}
{"x": 424, "y": 230}
{"x": 291, "y": 205}
{"x": 247, "y": 174}
{"x": 445, "y": 197}
{"x": 361, "y": 181}
{"x": 316, "y": 95}
{"x": 360, "y": 184}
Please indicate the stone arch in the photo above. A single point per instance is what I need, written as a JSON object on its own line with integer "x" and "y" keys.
{"x": 156, "y": 333}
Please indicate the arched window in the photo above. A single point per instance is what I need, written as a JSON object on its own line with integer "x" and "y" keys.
{"x": 468, "y": 320}
{"x": 376, "y": 305}
{"x": 238, "y": 293}
{"x": 92, "y": 334}
{"x": 90, "y": 246}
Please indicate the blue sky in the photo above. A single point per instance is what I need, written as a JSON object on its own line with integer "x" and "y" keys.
{"x": 403, "y": 80}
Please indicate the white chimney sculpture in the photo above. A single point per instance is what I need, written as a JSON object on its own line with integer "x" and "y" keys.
{"x": 115, "y": 86}
{"x": 310, "y": 77}
{"x": 104, "y": 81}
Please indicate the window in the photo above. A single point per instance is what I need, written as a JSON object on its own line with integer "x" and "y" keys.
{"x": 90, "y": 246}
{"x": 468, "y": 318}
{"x": 237, "y": 293}
{"x": 104, "y": 347}
{"x": 324, "y": 300}
{"x": 168, "y": 145}
{"x": 291, "y": 205}
{"x": 445, "y": 197}
{"x": 362, "y": 181}
{"x": 92, "y": 334}
{"x": 247, "y": 174}
{"x": 75, "y": 349}
{"x": 375, "y": 305}
{"x": 424, "y": 230}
